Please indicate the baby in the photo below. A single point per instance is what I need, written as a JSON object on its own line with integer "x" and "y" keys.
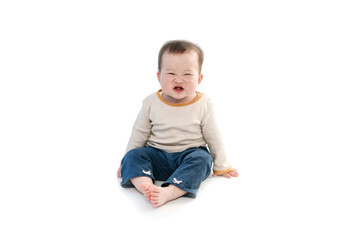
{"x": 175, "y": 138}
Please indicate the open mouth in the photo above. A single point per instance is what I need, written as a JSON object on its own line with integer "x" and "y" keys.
{"x": 178, "y": 88}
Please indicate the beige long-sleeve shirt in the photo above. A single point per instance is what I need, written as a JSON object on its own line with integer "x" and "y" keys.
{"x": 177, "y": 127}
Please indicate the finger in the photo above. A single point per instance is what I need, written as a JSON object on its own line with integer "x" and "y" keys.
{"x": 119, "y": 172}
{"x": 227, "y": 175}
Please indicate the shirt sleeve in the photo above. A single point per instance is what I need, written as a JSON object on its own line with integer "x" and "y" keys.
{"x": 214, "y": 141}
{"x": 141, "y": 128}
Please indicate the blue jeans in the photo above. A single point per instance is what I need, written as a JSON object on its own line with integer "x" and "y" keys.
{"x": 185, "y": 170}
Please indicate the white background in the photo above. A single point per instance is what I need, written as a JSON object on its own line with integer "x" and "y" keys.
{"x": 74, "y": 73}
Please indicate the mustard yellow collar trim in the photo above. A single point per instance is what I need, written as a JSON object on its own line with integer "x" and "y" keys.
{"x": 178, "y": 104}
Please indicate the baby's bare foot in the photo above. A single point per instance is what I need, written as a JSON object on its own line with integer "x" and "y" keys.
{"x": 162, "y": 195}
{"x": 147, "y": 188}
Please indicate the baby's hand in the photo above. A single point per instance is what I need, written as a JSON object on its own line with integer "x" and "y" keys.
{"x": 233, "y": 173}
{"x": 119, "y": 174}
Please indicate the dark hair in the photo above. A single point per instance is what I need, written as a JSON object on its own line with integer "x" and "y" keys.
{"x": 180, "y": 47}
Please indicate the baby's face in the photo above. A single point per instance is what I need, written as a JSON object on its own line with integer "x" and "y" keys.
{"x": 179, "y": 76}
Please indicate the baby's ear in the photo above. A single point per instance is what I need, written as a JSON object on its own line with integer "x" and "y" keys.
{"x": 200, "y": 78}
{"x": 158, "y": 76}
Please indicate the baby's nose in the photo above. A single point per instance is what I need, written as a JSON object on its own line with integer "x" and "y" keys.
{"x": 178, "y": 80}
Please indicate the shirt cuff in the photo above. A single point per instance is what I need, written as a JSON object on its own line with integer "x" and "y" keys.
{"x": 222, "y": 172}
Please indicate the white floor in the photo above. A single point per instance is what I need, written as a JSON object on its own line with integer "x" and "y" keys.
{"x": 73, "y": 75}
